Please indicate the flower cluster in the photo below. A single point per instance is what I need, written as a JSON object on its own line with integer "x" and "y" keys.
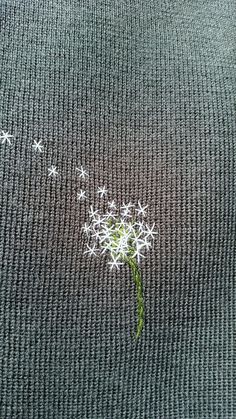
{"x": 119, "y": 233}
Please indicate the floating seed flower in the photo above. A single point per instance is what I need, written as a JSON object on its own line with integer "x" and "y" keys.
{"x": 120, "y": 235}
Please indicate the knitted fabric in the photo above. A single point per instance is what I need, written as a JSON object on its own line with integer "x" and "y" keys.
{"x": 141, "y": 94}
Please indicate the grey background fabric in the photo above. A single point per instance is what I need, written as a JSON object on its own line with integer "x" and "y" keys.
{"x": 142, "y": 94}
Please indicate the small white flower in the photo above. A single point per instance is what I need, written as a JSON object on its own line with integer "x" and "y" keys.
{"x": 115, "y": 264}
{"x": 92, "y": 213}
{"x": 96, "y": 235}
{"x": 86, "y": 228}
{"x": 53, "y": 171}
{"x": 106, "y": 247}
{"x": 141, "y": 210}
{"x": 91, "y": 250}
{"x": 98, "y": 220}
{"x": 126, "y": 207}
{"x": 137, "y": 252}
{"x": 149, "y": 231}
{"x": 109, "y": 214}
{"x": 105, "y": 235}
{"x": 6, "y": 138}
{"x": 83, "y": 172}
{"x": 38, "y": 146}
{"x": 102, "y": 191}
{"x": 140, "y": 225}
{"x": 126, "y": 213}
{"x": 147, "y": 244}
{"x": 121, "y": 223}
{"x": 122, "y": 247}
{"x": 81, "y": 195}
{"x": 112, "y": 205}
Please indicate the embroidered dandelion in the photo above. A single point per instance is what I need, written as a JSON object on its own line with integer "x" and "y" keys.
{"x": 124, "y": 239}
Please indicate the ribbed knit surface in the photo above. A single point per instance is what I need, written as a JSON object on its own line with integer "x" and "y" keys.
{"x": 142, "y": 94}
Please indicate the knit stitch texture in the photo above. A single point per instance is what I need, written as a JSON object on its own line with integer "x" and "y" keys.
{"x": 141, "y": 94}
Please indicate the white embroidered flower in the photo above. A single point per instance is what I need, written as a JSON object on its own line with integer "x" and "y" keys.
{"x": 86, "y": 228}
{"x": 141, "y": 210}
{"x": 91, "y": 250}
{"x": 92, "y": 213}
{"x": 52, "y": 171}
{"x": 37, "y": 146}
{"x": 81, "y": 195}
{"x": 6, "y": 138}
{"x": 112, "y": 205}
{"x": 102, "y": 191}
{"x": 82, "y": 172}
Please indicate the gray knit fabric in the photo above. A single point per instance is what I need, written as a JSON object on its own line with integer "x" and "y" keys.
{"x": 141, "y": 94}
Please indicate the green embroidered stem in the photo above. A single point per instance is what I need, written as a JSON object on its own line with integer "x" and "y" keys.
{"x": 122, "y": 231}
{"x": 138, "y": 282}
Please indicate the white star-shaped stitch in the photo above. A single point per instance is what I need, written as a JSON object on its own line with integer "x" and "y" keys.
{"x": 38, "y": 146}
{"x": 98, "y": 220}
{"x": 149, "y": 231}
{"x": 126, "y": 213}
{"x": 6, "y": 138}
{"x": 141, "y": 210}
{"x": 126, "y": 210}
{"x": 140, "y": 225}
{"x": 105, "y": 237}
{"x": 122, "y": 245}
{"x": 83, "y": 172}
{"x": 115, "y": 264}
{"x": 102, "y": 191}
{"x": 147, "y": 244}
{"x": 112, "y": 205}
{"x": 81, "y": 195}
{"x": 109, "y": 214}
{"x": 92, "y": 213}
{"x": 96, "y": 235}
{"x": 137, "y": 253}
{"x": 126, "y": 207}
{"x": 91, "y": 250}
{"x": 86, "y": 228}
{"x": 53, "y": 171}
{"x": 106, "y": 247}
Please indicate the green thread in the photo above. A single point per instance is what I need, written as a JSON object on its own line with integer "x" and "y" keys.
{"x": 138, "y": 282}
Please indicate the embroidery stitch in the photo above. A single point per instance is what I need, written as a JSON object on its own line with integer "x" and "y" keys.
{"x": 123, "y": 240}
{"x": 102, "y": 191}
{"x": 112, "y": 205}
{"x": 91, "y": 250}
{"x": 37, "y": 146}
{"x": 81, "y": 195}
{"x": 83, "y": 172}
{"x": 53, "y": 171}
{"x": 6, "y": 138}
{"x": 141, "y": 210}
